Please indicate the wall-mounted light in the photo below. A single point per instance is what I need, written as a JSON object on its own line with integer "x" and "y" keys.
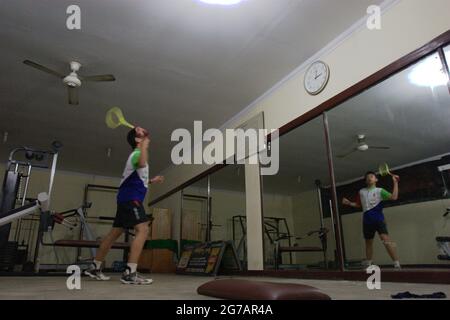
{"x": 429, "y": 73}
{"x": 5, "y": 136}
{"x": 108, "y": 152}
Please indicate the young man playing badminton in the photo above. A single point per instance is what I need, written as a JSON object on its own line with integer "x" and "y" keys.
{"x": 371, "y": 200}
{"x": 130, "y": 211}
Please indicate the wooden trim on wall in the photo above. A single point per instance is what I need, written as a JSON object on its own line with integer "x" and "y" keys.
{"x": 204, "y": 174}
{"x": 338, "y": 99}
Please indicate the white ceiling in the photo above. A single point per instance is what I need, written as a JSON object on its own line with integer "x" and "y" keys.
{"x": 175, "y": 62}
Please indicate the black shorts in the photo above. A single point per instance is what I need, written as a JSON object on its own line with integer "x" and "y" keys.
{"x": 130, "y": 214}
{"x": 369, "y": 230}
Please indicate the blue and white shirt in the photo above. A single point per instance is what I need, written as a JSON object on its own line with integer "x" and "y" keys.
{"x": 134, "y": 184}
{"x": 372, "y": 204}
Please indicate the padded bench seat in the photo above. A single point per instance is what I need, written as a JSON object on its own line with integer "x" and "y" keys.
{"x": 234, "y": 289}
{"x": 88, "y": 244}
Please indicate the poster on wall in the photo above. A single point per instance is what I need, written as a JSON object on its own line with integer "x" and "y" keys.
{"x": 208, "y": 258}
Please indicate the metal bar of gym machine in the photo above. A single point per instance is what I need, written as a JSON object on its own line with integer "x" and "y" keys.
{"x": 24, "y": 197}
{"x": 85, "y": 200}
{"x": 41, "y": 232}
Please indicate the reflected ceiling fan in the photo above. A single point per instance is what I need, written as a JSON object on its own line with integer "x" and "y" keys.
{"x": 362, "y": 146}
{"x": 73, "y": 81}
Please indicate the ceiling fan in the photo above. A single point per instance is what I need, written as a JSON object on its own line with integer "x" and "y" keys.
{"x": 362, "y": 146}
{"x": 73, "y": 81}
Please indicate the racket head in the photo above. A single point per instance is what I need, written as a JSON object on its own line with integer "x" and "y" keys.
{"x": 384, "y": 170}
{"x": 114, "y": 119}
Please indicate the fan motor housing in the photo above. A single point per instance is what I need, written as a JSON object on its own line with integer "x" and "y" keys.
{"x": 72, "y": 80}
{"x": 363, "y": 147}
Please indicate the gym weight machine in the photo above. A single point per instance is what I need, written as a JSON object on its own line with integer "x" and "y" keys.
{"x": 15, "y": 206}
{"x": 14, "y": 193}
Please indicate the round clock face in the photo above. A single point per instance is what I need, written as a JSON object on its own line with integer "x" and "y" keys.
{"x": 316, "y": 77}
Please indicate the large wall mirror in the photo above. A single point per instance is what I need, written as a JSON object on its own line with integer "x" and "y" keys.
{"x": 228, "y": 208}
{"x": 195, "y": 212}
{"x": 394, "y": 133}
{"x": 401, "y": 124}
{"x": 297, "y": 233}
{"x": 213, "y": 209}
{"x": 404, "y": 122}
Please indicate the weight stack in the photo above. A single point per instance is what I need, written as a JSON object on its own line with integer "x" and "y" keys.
{"x": 8, "y": 256}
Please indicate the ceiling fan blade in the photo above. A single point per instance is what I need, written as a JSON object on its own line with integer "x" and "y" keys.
{"x": 42, "y": 68}
{"x": 73, "y": 95}
{"x": 379, "y": 148}
{"x": 347, "y": 154}
{"x": 103, "y": 77}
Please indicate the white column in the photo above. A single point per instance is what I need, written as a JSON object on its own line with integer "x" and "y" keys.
{"x": 255, "y": 248}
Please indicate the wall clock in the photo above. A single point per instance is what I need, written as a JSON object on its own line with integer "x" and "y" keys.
{"x": 316, "y": 77}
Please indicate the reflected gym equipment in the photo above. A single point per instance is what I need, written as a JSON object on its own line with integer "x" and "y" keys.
{"x": 274, "y": 228}
{"x": 322, "y": 233}
{"x": 444, "y": 242}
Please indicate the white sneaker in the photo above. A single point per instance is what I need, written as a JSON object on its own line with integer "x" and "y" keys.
{"x": 96, "y": 274}
{"x": 135, "y": 278}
